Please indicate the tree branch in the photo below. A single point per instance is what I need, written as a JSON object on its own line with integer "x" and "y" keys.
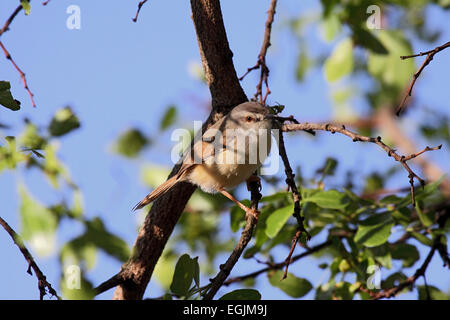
{"x": 430, "y": 55}
{"x": 357, "y": 137}
{"x": 261, "y": 62}
{"x": 43, "y": 284}
{"x": 280, "y": 265}
{"x": 21, "y": 73}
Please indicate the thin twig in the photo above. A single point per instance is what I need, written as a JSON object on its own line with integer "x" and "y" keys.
{"x": 430, "y": 55}
{"x": 43, "y": 284}
{"x": 10, "y": 19}
{"x": 139, "y": 9}
{"x": 280, "y": 265}
{"x": 22, "y": 74}
{"x": 391, "y": 292}
{"x": 225, "y": 269}
{"x": 261, "y": 62}
{"x": 357, "y": 137}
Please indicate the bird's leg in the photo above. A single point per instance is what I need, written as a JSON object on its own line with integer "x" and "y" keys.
{"x": 248, "y": 211}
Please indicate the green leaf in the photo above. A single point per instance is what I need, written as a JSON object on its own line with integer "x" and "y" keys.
{"x": 389, "y": 69}
{"x": 331, "y": 199}
{"x": 375, "y": 230}
{"x": 6, "y": 98}
{"x": 292, "y": 285}
{"x": 130, "y": 143}
{"x": 242, "y": 294}
{"x": 368, "y": 40}
{"x": 74, "y": 286}
{"x": 340, "y": 62}
{"x": 406, "y": 252}
{"x": 422, "y": 238}
{"x": 38, "y": 224}
{"x": 169, "y": 118}
{"x": 331, "y": 27}
{"x": 433, "y": 293}
{"x": 183, "y": 275}
{"x": 278, "y": 219}
{"x": 63, "y": 122}
{"x": 108, "y": 242}
{"x": 31, "y": 139}
{"x": 26, "y": 6}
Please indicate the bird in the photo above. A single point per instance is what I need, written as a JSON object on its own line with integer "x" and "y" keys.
{"x": 228, "y": 153}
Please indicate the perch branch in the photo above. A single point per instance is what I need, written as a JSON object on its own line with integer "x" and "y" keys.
{"x": 141, "y": 3}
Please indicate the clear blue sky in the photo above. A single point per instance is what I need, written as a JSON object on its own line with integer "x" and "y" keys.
{"x": 118, "y": 74}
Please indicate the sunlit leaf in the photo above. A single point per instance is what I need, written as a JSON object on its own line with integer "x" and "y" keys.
{"x": 292, "y": 285}
{"x": 278, "y": 219}
{"x": 331, "y": 199}
{"x": 375, "y": 230}
{"x": 63, "y": 122}
{"x": 340, "y": 62}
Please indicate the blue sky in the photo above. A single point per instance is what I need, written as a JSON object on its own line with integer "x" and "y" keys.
{"x": 118, "y": 74}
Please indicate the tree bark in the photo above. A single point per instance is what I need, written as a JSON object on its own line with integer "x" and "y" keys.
{"x": 226, "y": 93}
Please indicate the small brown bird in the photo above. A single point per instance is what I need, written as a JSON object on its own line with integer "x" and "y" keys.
{"x": 228, "y": 153}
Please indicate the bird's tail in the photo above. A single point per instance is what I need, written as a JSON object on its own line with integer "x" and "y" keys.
{"x": 157, "y": 192}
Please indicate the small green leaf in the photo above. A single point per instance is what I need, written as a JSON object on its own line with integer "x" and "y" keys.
{"x": 331, "y": 199}
{"x": 63, "y": 122}
{"x": 242, "y": 294}
{"x": 291, "y": 285}
{"x": 340, "y": 62}
{"x": 26, "y": 6}
{"x": 169, "y": 117}
{"x": 278, "y": 219}
{"x": 130, "y": 143}
{"x": 375, "y": 230}
{"x": 6, "y": 98}
{"x": 183, "y": 275}
{"x": 432, "y": 293}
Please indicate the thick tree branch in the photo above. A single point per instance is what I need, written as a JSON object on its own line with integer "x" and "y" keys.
{"x": 43, "y": 284}
{"x": 226, "y": 93}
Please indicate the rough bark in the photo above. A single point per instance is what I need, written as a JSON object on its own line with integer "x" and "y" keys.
{"x": 226, "y": 92}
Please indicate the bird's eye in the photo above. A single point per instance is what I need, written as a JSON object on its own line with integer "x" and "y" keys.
{"x": 249, "y": 119}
